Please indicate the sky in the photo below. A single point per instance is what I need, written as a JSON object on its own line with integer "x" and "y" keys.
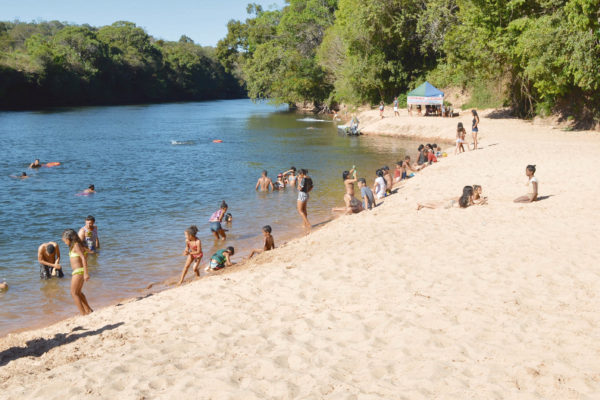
{"x": 205, "y": 21}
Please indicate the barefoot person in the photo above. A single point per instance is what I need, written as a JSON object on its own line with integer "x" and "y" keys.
{"x": 463, "y": 201}
{"x": 475, "y": 128}
{"x": 532, "y": 184}
{"x": 89, "y": 235}
{"x": 264, "y": 184}
{"x": 78, "y": 258}
{"x": 353, "y": 205}
{"x": 461, "y": 134}
{"x": 49, "y": 259}
{"x": 269, "y": 243}
{"x": 305, "y": 185}
{"x": 193, "y": 251}
{"x": 220, "y": 259}
{"x": 215, "y": 222}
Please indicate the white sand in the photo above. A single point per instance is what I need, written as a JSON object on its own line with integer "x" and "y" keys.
{"x": 492, "y": 302}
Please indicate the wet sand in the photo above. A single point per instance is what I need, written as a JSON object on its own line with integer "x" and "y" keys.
{"x": 497, "y": 301}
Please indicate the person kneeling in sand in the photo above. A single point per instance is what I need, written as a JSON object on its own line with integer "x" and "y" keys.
{"x": 220, "y": 259}
{"x": 269, "y": 243}
{"x": 463, "y": 201}
{"x": 532, "y": 184}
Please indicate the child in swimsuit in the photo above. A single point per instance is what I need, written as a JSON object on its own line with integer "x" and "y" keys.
{"x": 269, "y": 243}
{"x": 78, "y": 259}
{"x": 193, "y": 251}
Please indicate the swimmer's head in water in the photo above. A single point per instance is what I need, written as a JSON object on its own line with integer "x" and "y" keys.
{"x": 224, "y": 205}
{"x": 230, "y": 250}
{"x": 267, "y": 228}
{"x": 91, "y": 187}
{"x": 531, "y": 168}
{"x": 50, "y": 248}
{"x": 192, "y": 230}
{"x": 23, "y": 174}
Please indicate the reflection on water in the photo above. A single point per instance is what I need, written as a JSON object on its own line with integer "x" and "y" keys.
{"x": 157, "y": 171}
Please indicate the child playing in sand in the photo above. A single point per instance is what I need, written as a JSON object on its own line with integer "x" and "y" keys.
{"x": 463, "y": 201}
{"x": 269, "y": 243}
{"x": 220, "y": 259}
{"x": 193, "y": 251}
{"x": 532, "y": 184}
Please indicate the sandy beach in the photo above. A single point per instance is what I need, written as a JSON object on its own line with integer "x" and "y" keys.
{"x": 489, "y": 302}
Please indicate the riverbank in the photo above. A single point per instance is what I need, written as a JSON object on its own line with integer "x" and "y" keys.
{"x": 498, "y": 301}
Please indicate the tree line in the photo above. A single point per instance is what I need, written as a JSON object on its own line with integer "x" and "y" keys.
{"x": 55, "y": 64}
{"x": 536, "y": 56}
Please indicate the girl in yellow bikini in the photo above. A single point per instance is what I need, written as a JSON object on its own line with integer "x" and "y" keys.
{"x": 78, "y": 258}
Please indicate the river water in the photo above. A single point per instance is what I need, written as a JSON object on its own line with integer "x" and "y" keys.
{"x": 157, "y": 171}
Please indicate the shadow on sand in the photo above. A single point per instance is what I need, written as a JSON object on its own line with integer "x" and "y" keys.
{"x": 37, "y": 347}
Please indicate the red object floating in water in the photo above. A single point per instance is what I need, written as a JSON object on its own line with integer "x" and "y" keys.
{"x": 217, "y": 141}
{"x": 52, "y": 164}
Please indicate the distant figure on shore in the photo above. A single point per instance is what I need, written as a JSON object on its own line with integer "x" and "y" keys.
{"x": 290, "y": 176}
{"x": 220, "y": 259}
{"x": 49, "y": 259}
{"x": 89, "y": 235}
{"x": 461, "y": 134}
{"x": 215, "y": 221}
{"x": 269, "y": 243}
{"x": 475, "y": 128}
{"x": 366, "y": 194}
{"x": 532, "y": 185}
{"x": 396, "y": 112}
{"x": 78, "y": 259}
{"x": 381, "y": 107}
{"x": 353, "y": 205}
{"x": 36, "y": 164}
{"x": 464, "y": 201}
{"x": 305, "y": 185}
{"x": 193, "y": 251}
{"x": 264, "y": 183}
{"x": 379, "y": 187}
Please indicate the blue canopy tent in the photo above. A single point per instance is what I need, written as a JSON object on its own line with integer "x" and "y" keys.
{"x": 426, "y": 94}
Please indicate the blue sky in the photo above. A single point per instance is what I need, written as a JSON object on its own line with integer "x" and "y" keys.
{"x": 203, "y": 20}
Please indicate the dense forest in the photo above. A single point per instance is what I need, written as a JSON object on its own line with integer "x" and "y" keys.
{"x": 54, "y": 64}
{"x": 535, "y": 56}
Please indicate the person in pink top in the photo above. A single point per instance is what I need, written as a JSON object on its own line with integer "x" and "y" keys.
{"x": 215, "y": 222}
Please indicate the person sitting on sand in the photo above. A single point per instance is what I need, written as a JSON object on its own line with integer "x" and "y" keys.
{"x": 406, "y": 165}
{"x": 379, "y": 186}
{"x": 290, "y": 176}
{"x": 264, "y": 183}
{"x": 431, "y": 158}
{"x": 193, "y": 251}
{"x": 463, "y": 201}
{"x": 422, "y": 159}
{"x": 220, "y": 259}
{"x": 532, "y": 184}
{"x": 389, "y": 182}
{"x": 78, "y": 259}
{"x": 89, "y": 234}
{"x": 36, "y": 164}
{"x": 49, "y": 260}
{"x": 215, "y": 222}
{"x": 353, "y": 205}
{"x": 91, "y": 189}
{"x": 269, "y": 243}
{"x": 478, "y": 197}
{"x": 366, "y": 194}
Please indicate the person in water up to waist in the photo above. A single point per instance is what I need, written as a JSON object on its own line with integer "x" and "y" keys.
{"x": 49, "y": 259}
{"x": 89, "y": 234}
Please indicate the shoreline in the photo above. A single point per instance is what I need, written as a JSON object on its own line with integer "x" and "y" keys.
{"x": 435, "y": 303}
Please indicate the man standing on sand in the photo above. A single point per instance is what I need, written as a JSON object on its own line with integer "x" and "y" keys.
{"x": 264, "y": 183}
{"x": 49, "y": 259}
{"x": 396, "y": 112}
{"x": 89, "y": 234}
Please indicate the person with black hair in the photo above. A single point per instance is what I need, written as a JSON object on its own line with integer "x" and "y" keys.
{"x": 215, "y": 221}
{"x": 89, "y": 234}
{"x": 35, "y": 164}
{"x": 461, "y": 134}
{"x": 474, "y": 128}
{"x": 464, "y": 201}
{"x": 305, "y": 185}
{"x": 220, "y": 259}
{"x": 532, "y": 184}
{"x": 264, "y": 183}
{"x": 353, "y": 205}
{"x": 193, "y": 251}
{"x": 269, "y": 243}
{"x": 290, "y": 176}
{"x": 49, "y": 260}
{"x": 379, "y": 186}
{"x": 78, "y": 259}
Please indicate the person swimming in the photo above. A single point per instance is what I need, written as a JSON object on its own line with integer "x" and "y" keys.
{"x": 36, "y": 164}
